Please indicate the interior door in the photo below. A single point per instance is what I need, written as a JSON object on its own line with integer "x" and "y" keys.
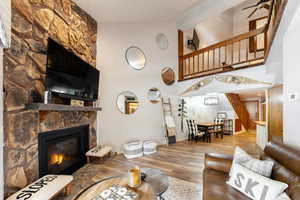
{"x": 252, "y": 108}
{"x": 275, "y": 119}
{"x": 238, "y": 125}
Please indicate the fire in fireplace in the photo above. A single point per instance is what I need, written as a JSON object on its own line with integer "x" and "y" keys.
{"x": 63, "y": 151}
{"x": 56, "y": 159}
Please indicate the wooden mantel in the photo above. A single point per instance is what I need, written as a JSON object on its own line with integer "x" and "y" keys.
{"x": 59, "y": 107}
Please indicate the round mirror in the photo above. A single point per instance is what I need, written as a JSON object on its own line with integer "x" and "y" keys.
{"x": 162, "y": 41}
{"x": 127, "y": 103}
{"x": 154, "y": 95}
{"x": 168, "y": 76}
{"x": 135, "y": 57}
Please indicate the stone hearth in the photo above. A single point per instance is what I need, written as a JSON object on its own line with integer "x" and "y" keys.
{"x": 33, "y": 22}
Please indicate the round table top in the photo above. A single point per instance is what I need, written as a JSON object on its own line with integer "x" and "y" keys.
{"x": 145, "y": 191}
{"x": 157, "y": 179}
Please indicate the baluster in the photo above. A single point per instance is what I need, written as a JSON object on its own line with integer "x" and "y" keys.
{"x": 255, "y": 46}
{"x": 239, "y": 51}
{"x": 193, "y": 64}
{"x": 189, "y": 66}
{"x": 183, "y": 67}
{"x": 208, "y": 60}
{"x": 213, "y": 64}
{"x": 220, "y": 57}
{"x": 198, "y": 63}
{"x": 226, "y": 54}
{"x": 247, "y": 50}
{"x": 232, "y": 52}
{"x": 184, "y": 63}
{"x": 203, "y": 61}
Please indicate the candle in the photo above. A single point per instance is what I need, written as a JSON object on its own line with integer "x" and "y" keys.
{"x": 134, "y": 177}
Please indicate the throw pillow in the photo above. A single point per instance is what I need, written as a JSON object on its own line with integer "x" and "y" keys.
{"x": 262, "y": 167}
{"x": 283, "y": 196}
{"x": 255, "y": 186}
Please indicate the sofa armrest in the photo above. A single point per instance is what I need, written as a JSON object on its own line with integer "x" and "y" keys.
{"x": 219, "y": 162}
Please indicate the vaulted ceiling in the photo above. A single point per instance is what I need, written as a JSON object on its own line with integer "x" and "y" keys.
{"x": 135, "y": 11}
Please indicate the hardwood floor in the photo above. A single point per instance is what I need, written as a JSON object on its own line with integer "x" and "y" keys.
{"x": 183, "y": 160}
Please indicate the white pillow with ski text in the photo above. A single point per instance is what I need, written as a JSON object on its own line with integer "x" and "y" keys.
{"x": 255, "y": 186}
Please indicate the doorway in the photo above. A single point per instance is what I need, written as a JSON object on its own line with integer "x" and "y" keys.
{"x": 252, "y": 106}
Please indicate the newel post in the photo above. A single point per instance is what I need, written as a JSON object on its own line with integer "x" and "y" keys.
{"x": 180, "y": 55}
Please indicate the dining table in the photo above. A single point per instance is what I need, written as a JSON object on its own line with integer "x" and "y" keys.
{"x": 206, "y": 127}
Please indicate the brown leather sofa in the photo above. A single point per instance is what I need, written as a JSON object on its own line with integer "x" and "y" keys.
{"x": 286, "y": 169}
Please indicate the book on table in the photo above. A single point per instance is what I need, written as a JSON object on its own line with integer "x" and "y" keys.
{"x": 116, "y": 192}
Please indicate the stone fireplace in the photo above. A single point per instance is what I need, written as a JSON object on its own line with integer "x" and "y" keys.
{"x": 63, "y": 151}
{"x": 24, "y": 68}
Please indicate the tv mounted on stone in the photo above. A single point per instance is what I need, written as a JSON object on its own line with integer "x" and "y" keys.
{"x": 68, "y": 76}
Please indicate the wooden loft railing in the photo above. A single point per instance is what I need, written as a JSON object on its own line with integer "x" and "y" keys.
{"x": 221, "y": 57}
{"x": 236, "y": 53}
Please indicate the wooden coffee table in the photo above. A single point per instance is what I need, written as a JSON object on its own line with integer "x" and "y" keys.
{"x": 145, "y": 190}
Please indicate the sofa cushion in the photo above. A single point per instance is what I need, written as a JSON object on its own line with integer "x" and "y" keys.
{"x": 262, "y": 167}
{"x": 255, "y": 186}
{"x": 215, "y": 187}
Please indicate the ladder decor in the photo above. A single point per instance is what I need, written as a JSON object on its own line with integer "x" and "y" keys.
{"x": 169, "y": 122}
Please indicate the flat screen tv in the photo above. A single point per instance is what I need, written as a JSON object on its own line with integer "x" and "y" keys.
{"x": 68, "y": 76}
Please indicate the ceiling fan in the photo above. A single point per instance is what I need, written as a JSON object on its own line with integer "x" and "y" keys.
{"x": 259, "y": 5}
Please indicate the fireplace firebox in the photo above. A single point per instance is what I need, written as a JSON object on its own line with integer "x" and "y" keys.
{"x": 63, "y": 151}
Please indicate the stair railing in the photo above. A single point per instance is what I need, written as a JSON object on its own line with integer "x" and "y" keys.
{"x": 234, "y": 53}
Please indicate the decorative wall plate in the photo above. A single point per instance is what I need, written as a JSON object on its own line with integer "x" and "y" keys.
{"x": 162, "y": 41}
{"x": 168, "y": 76}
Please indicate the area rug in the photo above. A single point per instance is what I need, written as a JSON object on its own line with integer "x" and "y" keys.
{"x": 183, "y": 190}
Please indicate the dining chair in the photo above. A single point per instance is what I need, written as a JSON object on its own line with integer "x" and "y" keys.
{"x": 219, "y": 129}
{"x": 194, "y": 132}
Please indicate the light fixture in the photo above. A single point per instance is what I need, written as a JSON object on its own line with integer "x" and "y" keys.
{"x": 212, "y": 94}
{"x": 211, "y": 101}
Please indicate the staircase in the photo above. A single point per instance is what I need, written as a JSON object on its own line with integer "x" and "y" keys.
{"x": 239, "y": 108}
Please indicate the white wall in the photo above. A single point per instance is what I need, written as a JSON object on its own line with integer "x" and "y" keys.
{"x": 240, "y": 17}
{"x": 197, "y": 110}
{"x": 115, "y": 128}
{"x": 1, "y": 125}
{"x": 223, "y": 26}
{"x": 211, "y": 30}
{"x": 204, "y": 10}
{"x": 291, "y": 71}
